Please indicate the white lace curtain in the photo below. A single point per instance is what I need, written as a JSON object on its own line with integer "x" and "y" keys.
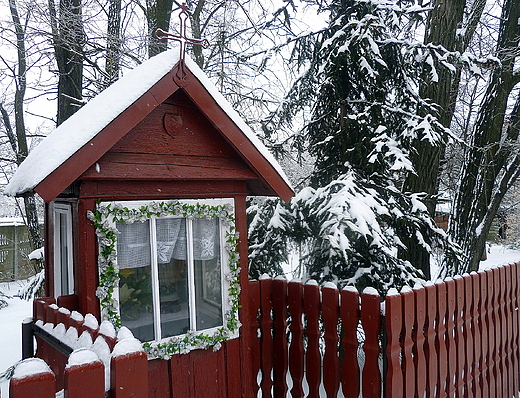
{"x": 133, "y": 242}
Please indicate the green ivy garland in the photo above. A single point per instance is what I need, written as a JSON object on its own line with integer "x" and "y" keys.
{"x": 104, "y": 218}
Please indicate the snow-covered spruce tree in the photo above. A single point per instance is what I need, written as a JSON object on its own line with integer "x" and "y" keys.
{"x": 363, "y": 80}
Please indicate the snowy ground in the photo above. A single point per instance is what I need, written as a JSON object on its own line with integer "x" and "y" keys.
{"x": 12, "y": 316}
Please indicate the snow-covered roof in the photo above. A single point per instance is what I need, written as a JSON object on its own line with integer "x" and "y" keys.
{"x": 92, "y": 118}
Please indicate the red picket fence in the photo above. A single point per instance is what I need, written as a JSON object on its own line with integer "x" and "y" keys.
{"x": 119, "y": 366}
{"x": 453, "y": 338}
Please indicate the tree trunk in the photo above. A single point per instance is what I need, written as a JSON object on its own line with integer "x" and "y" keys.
{"x": 491, "y": 164}
{"x": 18, "y": 140}
{"x": 67, "y": 32}
{"x": 113, "y": 42}
{"x": 158, "y": 13}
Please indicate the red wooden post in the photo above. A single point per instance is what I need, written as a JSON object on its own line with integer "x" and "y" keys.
{"x": 451, "y": 297}
{"x": 394, "y": 322}
{"x": 330, "y": 314}
{"x": 32, "y": 378}
{"x": 515, "y": 313}
{"x": 296, "y": 351}
{"x": 409, "y": 372}
{"x": 84, "y": 375}
{"x": 280, "y": 351}
{"x": 461, "y": 314}
{"x": 468, "y": 335}
{"x": 440, "y": 342}
{"x": 254, "y": 307}
{"x": 476, "y": 330}
{"x": 490, "y": 327}
{"x": 311, "y": 306}
{"x": 39, "y": 307}
{"x": 484, "y": 299}
{"x": 350, "y": 315}
{"x": 266, "y": 338}
{"x": 371, "y": 321}
{"x": 429, "y": 349}
{"x": 507, "y": 331}
{"x": 128, "y": 370}
{"x": 497, "y": 311}
{"x": 418, "y": 335}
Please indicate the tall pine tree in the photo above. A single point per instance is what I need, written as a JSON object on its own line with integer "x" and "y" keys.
{"x": 362, "y": 83}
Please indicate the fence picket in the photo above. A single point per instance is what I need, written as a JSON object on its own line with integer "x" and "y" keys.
{"x": 371, "y": 321}
{"x": 85, "y": 381}
{"x": 296, "y": 351}
{"x": 311, "y": 306}
{"x": 254, "y": 345}
{"x": 280, "y": 347}
{"x": 350, "y": 315}
{"x": 266, "y": 339}
{"x": 476, "y": 328}
{"x": 394, "y": 387}
{"x": 515, "y": 292}
{"x": 407, "y": 342}
{"x": 330, "y": 314}
{"x": 468, "y": 336}
{"x": 419, "y": 359}
{"x": 430, "y": 350}
{"x": 490, "y": 318}
{"x": 440, "y": 340}
{"x": 459, "y": 318}
{"x": 26, "y": 384}
{"x": 451, "y": 298}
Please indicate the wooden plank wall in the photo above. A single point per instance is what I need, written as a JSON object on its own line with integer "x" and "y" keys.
{"x": 453, "y": 338}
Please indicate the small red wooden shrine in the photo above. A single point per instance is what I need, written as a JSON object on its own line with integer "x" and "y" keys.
{"x": 162, "y": 132}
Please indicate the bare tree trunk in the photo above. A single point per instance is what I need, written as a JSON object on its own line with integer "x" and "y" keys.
{"x": 113, "y": 42}
{"x": 492, "y": 161}
{"x": 158, "y": 13}
{"x": 67, "y": 32}
{"x": 444, "y": 20}
{"x": 18, "y": 140}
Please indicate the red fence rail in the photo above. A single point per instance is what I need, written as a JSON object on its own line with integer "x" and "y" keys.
{"x": 452, "y": 338}
{"x": 98, "y": 361}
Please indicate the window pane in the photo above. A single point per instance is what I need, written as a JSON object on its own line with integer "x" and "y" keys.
{"x": 64, "y": 252}
{"x": 135, "y": 283}
{"x": 208, "y": 292}
{"x": 173, "y": 276}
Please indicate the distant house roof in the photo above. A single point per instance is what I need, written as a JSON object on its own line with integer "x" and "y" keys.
{"x": 137, "y": 93}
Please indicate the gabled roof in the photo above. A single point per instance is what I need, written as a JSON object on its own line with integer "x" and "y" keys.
{"x": 82, "y": 139}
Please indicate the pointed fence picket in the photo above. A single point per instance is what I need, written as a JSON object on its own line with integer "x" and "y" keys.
{"x": 453, "y": 338}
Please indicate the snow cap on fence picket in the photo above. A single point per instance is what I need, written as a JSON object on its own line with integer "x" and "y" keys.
{"x": 350, "y": 288}
{"x": 264, "y": 277}
{"x": 91, "y": 322}
{"x": 77, "y": 316}
{"x": 64, "y": 310}
{"x": 30, "y": 367}
{"x": 295, "y": 280}
{"x": 127, "y": 346}
{"x": 392, "y": 292}
{"x": 330, "y": 285}
{"x": 71, "y": 337}
{"x": 371, "y": 291}
{"x": 406, "y": 289}
{"x": 85, "y": 340}
{"x": 107, "y": 329}
{"x": 82, "y": 356}
{"x": 311, "y": 282}
{"x": 124, "y": 333}
{"x": 281, "y": 278}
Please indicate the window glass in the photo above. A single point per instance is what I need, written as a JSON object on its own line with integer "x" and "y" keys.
{"x": 207, "y": 270}
{"x": 173, "y": 276}
{"x": 63, "y": 253}
{"x": 135, "y": 279}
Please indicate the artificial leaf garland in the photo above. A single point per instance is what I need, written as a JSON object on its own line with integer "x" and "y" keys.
{"x": 105, "y": 217}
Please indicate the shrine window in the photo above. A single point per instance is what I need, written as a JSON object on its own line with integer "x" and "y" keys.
{"x": 176, "y": 270}
{"x": 63, "y": 250}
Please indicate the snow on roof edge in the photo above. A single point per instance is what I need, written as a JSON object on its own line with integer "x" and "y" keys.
{"x": 60, "y": 144}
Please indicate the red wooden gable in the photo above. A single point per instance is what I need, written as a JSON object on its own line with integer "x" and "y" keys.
{"x": 171, "y": 133}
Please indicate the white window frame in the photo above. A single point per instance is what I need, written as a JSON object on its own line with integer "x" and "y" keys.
{"x": 224, "y": 269}
{"x": 63, "y": 209}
